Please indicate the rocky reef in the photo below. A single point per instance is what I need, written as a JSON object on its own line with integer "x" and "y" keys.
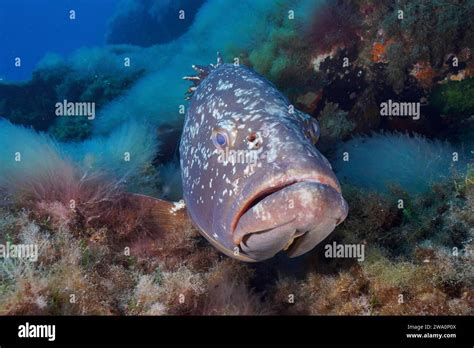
{"x": 414, "y": 263}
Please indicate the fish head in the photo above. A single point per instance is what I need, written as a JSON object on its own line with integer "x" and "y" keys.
{"x": 255, "y": 183}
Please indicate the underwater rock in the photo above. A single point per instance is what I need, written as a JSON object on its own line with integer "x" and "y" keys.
{"x": 139, "y": 22}
{"x": 371, "y": 215}
{"x": 454, "y": 100}
{"x": 54, "y": 82}
{"x": 424, "y": 73}
{"x": 335, "y": 125}
{"x": 344, "y": 81}
{"x": 335, "y": 23}
{"x": 170, "y": 178}
{"x": 309, "y": 101}
{"x": 40, "y": 93}
{"x": 284, "y": 57}
{"x": 379, "y": 51}
{"x": 420, "y": 32}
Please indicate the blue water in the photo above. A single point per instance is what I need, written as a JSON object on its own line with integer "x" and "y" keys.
{"x": 31, "y": 28}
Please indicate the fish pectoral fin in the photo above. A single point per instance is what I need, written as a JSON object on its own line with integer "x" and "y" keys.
{"x": 159, "y": 215}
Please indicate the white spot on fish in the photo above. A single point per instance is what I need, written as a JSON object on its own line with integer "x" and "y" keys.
{"x": 177, "y": 206}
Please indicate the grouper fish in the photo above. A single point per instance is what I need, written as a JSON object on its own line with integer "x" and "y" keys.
{"x": 254, "y": 183}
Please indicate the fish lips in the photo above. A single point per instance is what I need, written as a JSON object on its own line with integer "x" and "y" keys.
{"x": 294, "y": 218}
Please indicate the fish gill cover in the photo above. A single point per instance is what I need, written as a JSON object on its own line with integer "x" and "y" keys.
{"x": 101, "y": 119}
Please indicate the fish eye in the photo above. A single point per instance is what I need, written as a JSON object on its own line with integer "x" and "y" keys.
{"x": 314, "y": 131}
{"x": 220, "y": 138}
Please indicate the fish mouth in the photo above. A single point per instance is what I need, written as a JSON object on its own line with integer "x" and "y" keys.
{"x": 281, "y": 185}
{"x": 318, "y": 208}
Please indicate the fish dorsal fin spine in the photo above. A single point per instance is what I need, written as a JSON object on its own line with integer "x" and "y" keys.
{"x": 201, "y": 73}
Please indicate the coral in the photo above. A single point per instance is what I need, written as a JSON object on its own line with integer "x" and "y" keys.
{"x": 99, "y": 279}
{"x": 429, "y": 282}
